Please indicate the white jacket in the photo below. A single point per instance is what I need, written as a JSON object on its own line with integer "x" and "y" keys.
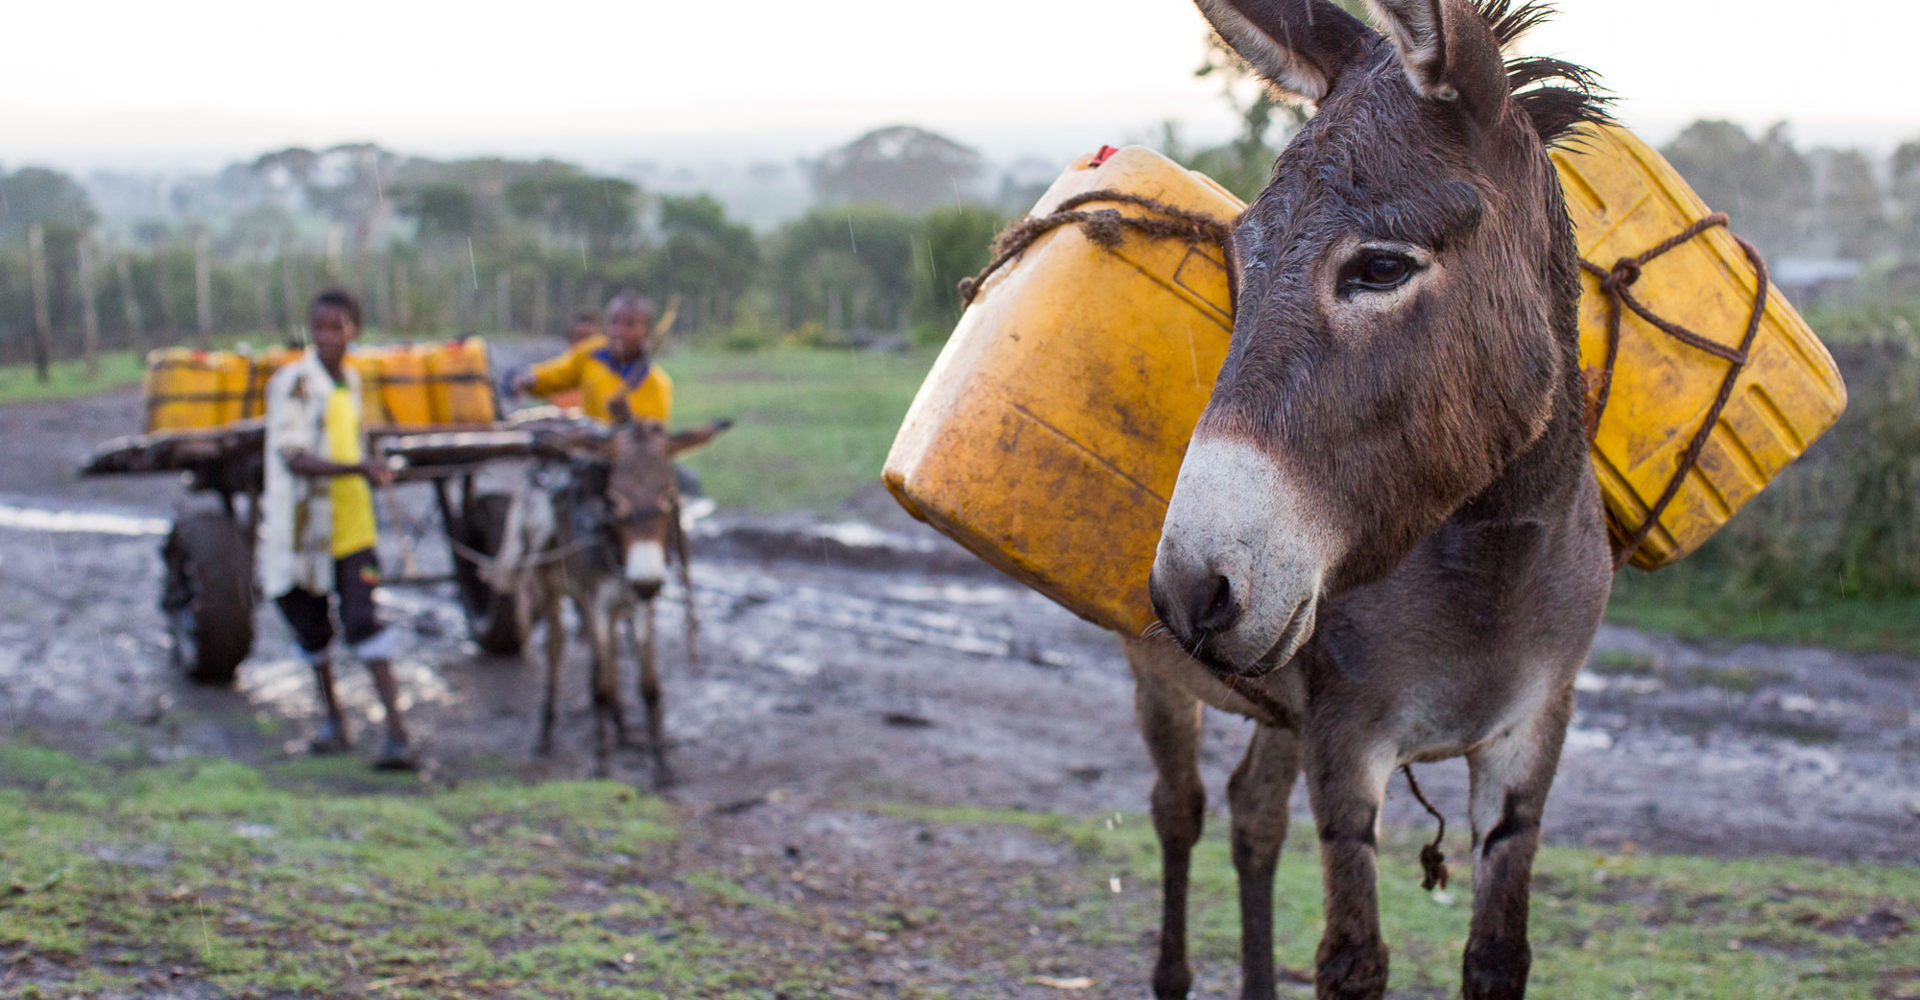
{"x": 296, "y": 534}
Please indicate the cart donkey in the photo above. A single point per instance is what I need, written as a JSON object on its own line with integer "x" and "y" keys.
{"x": 598, "y": 522}
{"x": 1386, "y": 543}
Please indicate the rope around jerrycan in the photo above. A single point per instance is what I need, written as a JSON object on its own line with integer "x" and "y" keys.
{"x": 1105, "y": 228}
{"x": 1615, "y": 284}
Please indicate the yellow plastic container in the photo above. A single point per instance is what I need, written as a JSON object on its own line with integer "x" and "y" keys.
{"x": 459, "y": 387}
{"x": 261, "y": 368}
{"x": 1048, "y": 435}
{"x": 189, "y": 389}
{"x": 1625, "y": 199}
{"x": 394, "y": 388}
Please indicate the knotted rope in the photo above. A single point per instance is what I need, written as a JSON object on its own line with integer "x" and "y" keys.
{"x": 1616, "y": 284}
{"x": 1433, "y": 863}
{"x": 1106, "y": 227}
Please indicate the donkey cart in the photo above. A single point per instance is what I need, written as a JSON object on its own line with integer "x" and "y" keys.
{"x": 208, "y": 593}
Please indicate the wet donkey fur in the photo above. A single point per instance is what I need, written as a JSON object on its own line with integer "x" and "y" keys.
{"x": 1386, "y": 542}
{"x": 598, "y": 523}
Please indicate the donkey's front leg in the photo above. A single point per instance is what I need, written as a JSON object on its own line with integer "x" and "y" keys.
{"x": 1257, "y": 794}
{"x": 640, "y": 632}
{"x": 1347, "y": 781}
{"x": 556, "y": 652}
{"x": 1169, "y": 721}
{"x": 1510, "y": 778}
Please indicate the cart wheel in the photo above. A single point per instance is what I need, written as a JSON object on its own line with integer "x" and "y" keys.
{"x": 208, "y": 599}
{"x": 491, "y": 618}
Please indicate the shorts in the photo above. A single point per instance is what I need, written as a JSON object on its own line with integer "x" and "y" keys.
{"x": 355, "y": 576}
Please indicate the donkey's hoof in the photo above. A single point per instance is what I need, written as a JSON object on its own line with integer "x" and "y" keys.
{"x": 1171, "y": 980}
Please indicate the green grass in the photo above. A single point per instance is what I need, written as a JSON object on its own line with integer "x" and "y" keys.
{"x": 270, "y": 883}
{"x": 1602, "y": 925}
{"x": 1696, "y": 603}
{"x": 811, "y": 426}
{"x": 68, "y": 379}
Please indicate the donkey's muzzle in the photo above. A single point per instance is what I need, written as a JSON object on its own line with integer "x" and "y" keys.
{"x": 1236, "y": 579}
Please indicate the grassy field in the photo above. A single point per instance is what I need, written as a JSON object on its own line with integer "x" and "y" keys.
{"x": 118, "y": 369}
{"x": 308, "y": 878}
{"x": 1691, "y": 602}
{"x": 812, "y": 427}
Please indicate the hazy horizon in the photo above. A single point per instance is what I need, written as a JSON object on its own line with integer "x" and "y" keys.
{"x": 193, "y": 86}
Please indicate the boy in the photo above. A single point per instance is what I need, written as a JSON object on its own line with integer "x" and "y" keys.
{"x": 319, "y": 532}
{"x": 614, "y": 374}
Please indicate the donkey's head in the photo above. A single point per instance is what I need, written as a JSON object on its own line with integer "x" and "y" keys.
{"x": 1404, "y": 321}
{"x": 642, "y": 499}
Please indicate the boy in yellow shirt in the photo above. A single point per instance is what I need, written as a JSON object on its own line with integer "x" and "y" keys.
{"x": 319, "y": 534}
{"x": 611, "y": 372}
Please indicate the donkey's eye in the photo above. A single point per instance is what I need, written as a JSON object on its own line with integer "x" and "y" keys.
{"x": 1376, "y": 271}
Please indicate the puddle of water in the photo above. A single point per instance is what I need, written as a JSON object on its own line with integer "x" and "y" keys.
{"x": 954, "y": 593}
{"x": 74, "y": 522}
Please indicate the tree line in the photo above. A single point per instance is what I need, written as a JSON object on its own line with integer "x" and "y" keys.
{"x": 497, "y": 244}
{"x": 487, "y": 245}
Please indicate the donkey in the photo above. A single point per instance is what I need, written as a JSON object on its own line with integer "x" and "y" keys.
{"x": 1386, "y": 543}
{"x": 599, "y": 523}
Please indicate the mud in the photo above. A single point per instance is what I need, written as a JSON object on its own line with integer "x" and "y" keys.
{"x": 861, "y": 658}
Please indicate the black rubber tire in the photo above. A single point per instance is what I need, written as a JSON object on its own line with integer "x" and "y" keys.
{"x": 491, "y": 617}
{"x": 208, "y": 597}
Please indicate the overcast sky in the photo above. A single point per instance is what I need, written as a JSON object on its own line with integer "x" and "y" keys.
{"x": 199, "y": 82}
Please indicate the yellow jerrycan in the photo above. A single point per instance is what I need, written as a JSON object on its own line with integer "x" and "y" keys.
{"x": 1049, "y": 433}
{"x": 1696, "y": 372}
{"x": 393, "y": 387}
{"x": 458, "y": 384}
{"x": 261, "y": 367}
{"x": 188, "y": 389}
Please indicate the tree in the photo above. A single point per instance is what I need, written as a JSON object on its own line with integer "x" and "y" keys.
{"x": 1765, "y": 185}
{"x": 846, "y": 268}
{"x": 705, "y": 259}
{"x": 905, "y": 168}
{"x": 955, "y": 243}
{"x": 1851, "y": 210}
{"x": 1906, "y": 196}
{"x": 36, "y": 195}
{"x": 573, "y": 207}
{"x": 445, "y": 212}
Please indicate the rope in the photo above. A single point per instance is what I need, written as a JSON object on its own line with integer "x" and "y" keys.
{"x": 1433, "y": 864}
{"x": 1106, "y": 227}
{"x": 1615, "y": 284}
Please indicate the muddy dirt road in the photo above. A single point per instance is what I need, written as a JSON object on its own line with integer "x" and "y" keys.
{"x": 866, "y": 658}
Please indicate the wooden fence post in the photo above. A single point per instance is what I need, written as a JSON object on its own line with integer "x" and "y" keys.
{"x": 89, "y": 309}
{"x": 42, "y": 315}
{"x": 203, "y": 289}
{"x": 540, "y": 303}
{"x": 130, "y": 302}
{"x": 502, "y": 301}
{"x": 263, "y": 300}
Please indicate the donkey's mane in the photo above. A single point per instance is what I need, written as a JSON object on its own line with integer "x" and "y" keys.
{"x": 1554, "y": 110}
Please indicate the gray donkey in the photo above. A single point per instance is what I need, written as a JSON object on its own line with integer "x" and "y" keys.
{"x": 1386, "y": 544}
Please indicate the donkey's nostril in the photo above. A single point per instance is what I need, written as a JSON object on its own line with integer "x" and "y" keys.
{"x": 1214, "y": 606}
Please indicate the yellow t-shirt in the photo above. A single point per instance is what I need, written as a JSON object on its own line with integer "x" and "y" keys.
{"x": 591, "y": 369}
{"x": 353, "y": 527}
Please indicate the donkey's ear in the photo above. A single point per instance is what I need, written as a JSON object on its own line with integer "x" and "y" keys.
{"x": 1448, "y": 50}
{"x": 1300, "y": 46}
{"x": 685, "y": 441}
